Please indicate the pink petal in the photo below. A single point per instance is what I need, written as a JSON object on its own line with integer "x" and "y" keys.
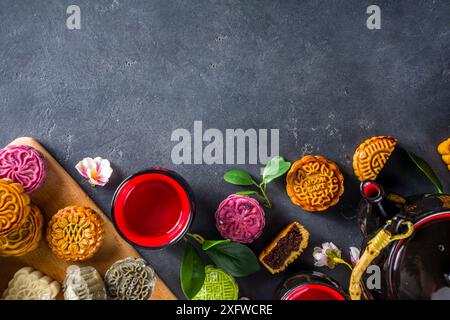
{"x": 332, "y": 246}
{"x": 83, "y": 166}
{"x": 354, "y": 255}
{"x": 318, "y": 255}
{"x": 321, "y": 262}
{"x": 100, "y": 167}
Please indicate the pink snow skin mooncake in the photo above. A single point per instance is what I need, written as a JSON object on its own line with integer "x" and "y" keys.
{"x": 23, "y": 164}
{"x": 240, "y": 218}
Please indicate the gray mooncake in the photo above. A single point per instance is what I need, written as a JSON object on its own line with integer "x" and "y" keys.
{"x": 130, "y": 279}
{"x": 83, "y": 283}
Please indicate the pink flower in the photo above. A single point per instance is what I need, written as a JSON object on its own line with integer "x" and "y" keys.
{"x": 97, "y": 171}
{"x": 354, "y": 255}
{"x": 329, "y": 255}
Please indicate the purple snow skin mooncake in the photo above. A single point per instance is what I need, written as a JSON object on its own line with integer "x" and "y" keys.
{"x": 240, "y": 218}
{"x": 24, "y": 165}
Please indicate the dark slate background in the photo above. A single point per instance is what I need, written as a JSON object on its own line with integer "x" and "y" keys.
{"x": 137, "y": 70}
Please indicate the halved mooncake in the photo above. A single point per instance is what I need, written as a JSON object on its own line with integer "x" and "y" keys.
{"x": 371, "y": 156}
{"x": 285, "y": 248}
{"x": 218, "y": 285}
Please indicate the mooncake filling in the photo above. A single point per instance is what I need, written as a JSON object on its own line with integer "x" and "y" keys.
{"x": 285, "y": 246}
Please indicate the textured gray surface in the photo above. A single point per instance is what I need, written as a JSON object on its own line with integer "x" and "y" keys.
{"x": 139, "y": 69}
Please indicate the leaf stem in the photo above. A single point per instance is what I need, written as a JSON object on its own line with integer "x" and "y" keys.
{"x": 262, "y": 187}
{"x": 342, "y": 261}
{"x": 196, "y": 237}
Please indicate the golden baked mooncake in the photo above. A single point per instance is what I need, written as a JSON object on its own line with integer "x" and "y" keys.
{"x": 26, "y": 238}
{"x": 14, "y": 206}
{"x": 371, "y": 156}
{"x": 75, "y": 233}
{"x": 285, "y": 248}
{"x": 444, "y": 151}
{"x": 314, "y": 183}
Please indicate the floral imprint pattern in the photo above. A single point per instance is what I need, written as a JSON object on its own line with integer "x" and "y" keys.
{"x": 218, "y": 285}
{"x": 14, "y": 206}
{"x": 26, "y": 238}
{"x": 24, "y": 165}
{"x": 314, "y": 183}
{"x": 371, "y": 156}
{"x": 75, "y": 233}
{"x": 130, "y": 279}
{"x": 31, "y": 284}
{"x": 240, "y": 218}
{"x": 83, "y": 283}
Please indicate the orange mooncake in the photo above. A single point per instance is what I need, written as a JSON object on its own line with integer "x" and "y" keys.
{"x": 75, "y": 233}
{"x": 371, "y": 156}
{"x": 14, "y": 206}
{"x": 314, "y": 183}
{"x": 287, "y": 246}
{"x": 26, "y": 238}
{"x": 444, "y": 151}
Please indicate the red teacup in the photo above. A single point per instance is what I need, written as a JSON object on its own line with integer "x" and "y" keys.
{"x": 313, "y": 292}
{"x": 310, "y": 286}
{"x": 153, "y": 208}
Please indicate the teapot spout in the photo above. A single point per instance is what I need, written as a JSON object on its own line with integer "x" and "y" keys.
{"x": 376, "y": 207}
{"x": 373, "y": 193}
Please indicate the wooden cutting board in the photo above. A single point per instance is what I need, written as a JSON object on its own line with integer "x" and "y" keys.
{"x": 61, "y": 190}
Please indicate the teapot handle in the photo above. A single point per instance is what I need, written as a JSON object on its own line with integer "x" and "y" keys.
{"x": 381, "y": 240}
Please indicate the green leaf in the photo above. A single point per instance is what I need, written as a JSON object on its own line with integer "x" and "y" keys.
{"x": 248, "y": 193}
{"x": 275, "y": 168}
{"x": 235, "y": 258}
{"x": 192, "y": 272}
{"x": 208, "y": 244}
{"x": 427, "y": 170}
{"x": 239, "y": 177}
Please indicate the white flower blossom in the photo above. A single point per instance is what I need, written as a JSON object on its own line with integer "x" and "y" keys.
{"x": 97, "y": 171}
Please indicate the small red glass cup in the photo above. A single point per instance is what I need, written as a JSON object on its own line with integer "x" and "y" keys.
{"x": 310, "y": 286}
{"x": 153, "y": 209}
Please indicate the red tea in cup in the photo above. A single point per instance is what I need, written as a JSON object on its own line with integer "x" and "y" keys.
{"x": 313, "y": 292}
{"x": 310, "y": 286}
{"x": 153, "y": 208}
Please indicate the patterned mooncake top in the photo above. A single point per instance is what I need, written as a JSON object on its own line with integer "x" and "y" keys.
{"x": 75, "y": 233}
{"x": 23, "y": 164}
{"x": 14, "y": 206}
{"x": 314, "y": 183}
